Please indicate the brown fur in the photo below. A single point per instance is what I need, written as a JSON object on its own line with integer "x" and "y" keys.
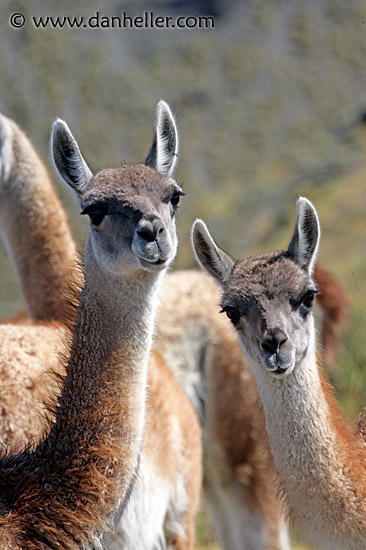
{"x": 361, "y": 424}
{"x": 63, "y": 490}
{"x": 335, "y": 305}
{"x": 88, "y": 421}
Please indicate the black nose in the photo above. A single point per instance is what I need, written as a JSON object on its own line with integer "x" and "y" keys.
{"x": 273, "y": 339}
{"x": 150, "y": 230}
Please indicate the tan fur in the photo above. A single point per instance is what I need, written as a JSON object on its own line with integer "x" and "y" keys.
{"x": 33, "y": 225}
{"x": 192, "y": 335}
{"x": 27, "y": 354}
{"x": 237, "y": 459}
{"x": 25, "y": 390}
{"x": 168, "y": 400}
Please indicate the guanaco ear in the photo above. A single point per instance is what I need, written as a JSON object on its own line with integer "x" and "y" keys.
{"x": 305, "y": 240}
{"x": 67, "y": 158}
{"x": 6, "y": 147}
{"x": 164, "y": 150}
{"x": 212, "y": 258}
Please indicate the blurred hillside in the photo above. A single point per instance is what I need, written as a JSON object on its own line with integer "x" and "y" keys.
{"x": 270, "y": 104}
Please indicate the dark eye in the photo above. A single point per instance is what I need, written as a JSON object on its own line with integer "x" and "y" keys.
{"x": 232, "y": 313}
{"x": 175, "y": 199}
{"x": 308, "y": 300}
{"x": 95, "y": 213}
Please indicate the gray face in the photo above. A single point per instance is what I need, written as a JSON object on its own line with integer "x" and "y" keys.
{"x": 132, "y": 211}
{"x": 269, "y": 300}
{"x": 131, "y": 208}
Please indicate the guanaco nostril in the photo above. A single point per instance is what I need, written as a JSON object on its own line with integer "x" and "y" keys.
{"x": 146, "y": 235}
{"x": 159, "y": 227}
{"x": 150, "y": 231}
{"x": 274, "y": 340}
{"x": 270, "y": 346}
{"x": 283, "y": 341}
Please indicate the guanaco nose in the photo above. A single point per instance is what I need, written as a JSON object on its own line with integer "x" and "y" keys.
{"x": 273, "y": 340}
{"x": 150, "y": 230}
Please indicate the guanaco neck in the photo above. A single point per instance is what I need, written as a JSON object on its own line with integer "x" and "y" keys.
{"x": 321, "y": 464}
{"x": 34, "y": 227}
{"x": 90, "y": 455}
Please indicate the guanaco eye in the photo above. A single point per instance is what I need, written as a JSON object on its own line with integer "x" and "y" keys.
{"x": 232, "y": 313}
{"x": 308, "y": 299}
{"x": 95, "y": 213}
{"x": 175, "y": 199}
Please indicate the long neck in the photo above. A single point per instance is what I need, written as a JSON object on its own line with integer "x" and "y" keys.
{"x": 321, "y": 464}
{"x": 91, "y": 454}
{"x": 34, "y": 226}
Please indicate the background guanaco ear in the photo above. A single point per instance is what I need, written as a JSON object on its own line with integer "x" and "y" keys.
{"x": 212, "y": 258}
{"x": 67, "y": 158}
{"x": 164, "y": 150}
{"x": 304, "y": 244}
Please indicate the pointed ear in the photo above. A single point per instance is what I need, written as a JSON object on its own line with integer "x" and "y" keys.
{"x": 164, "y": 150}
{"x": 305, "y": 240}
{"x": 67, "y": 158}
{"x": 212, "y": 259}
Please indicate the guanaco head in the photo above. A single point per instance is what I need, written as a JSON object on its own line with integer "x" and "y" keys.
{"x": 131, "y": 208}
{"x": 268, "y": 298}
